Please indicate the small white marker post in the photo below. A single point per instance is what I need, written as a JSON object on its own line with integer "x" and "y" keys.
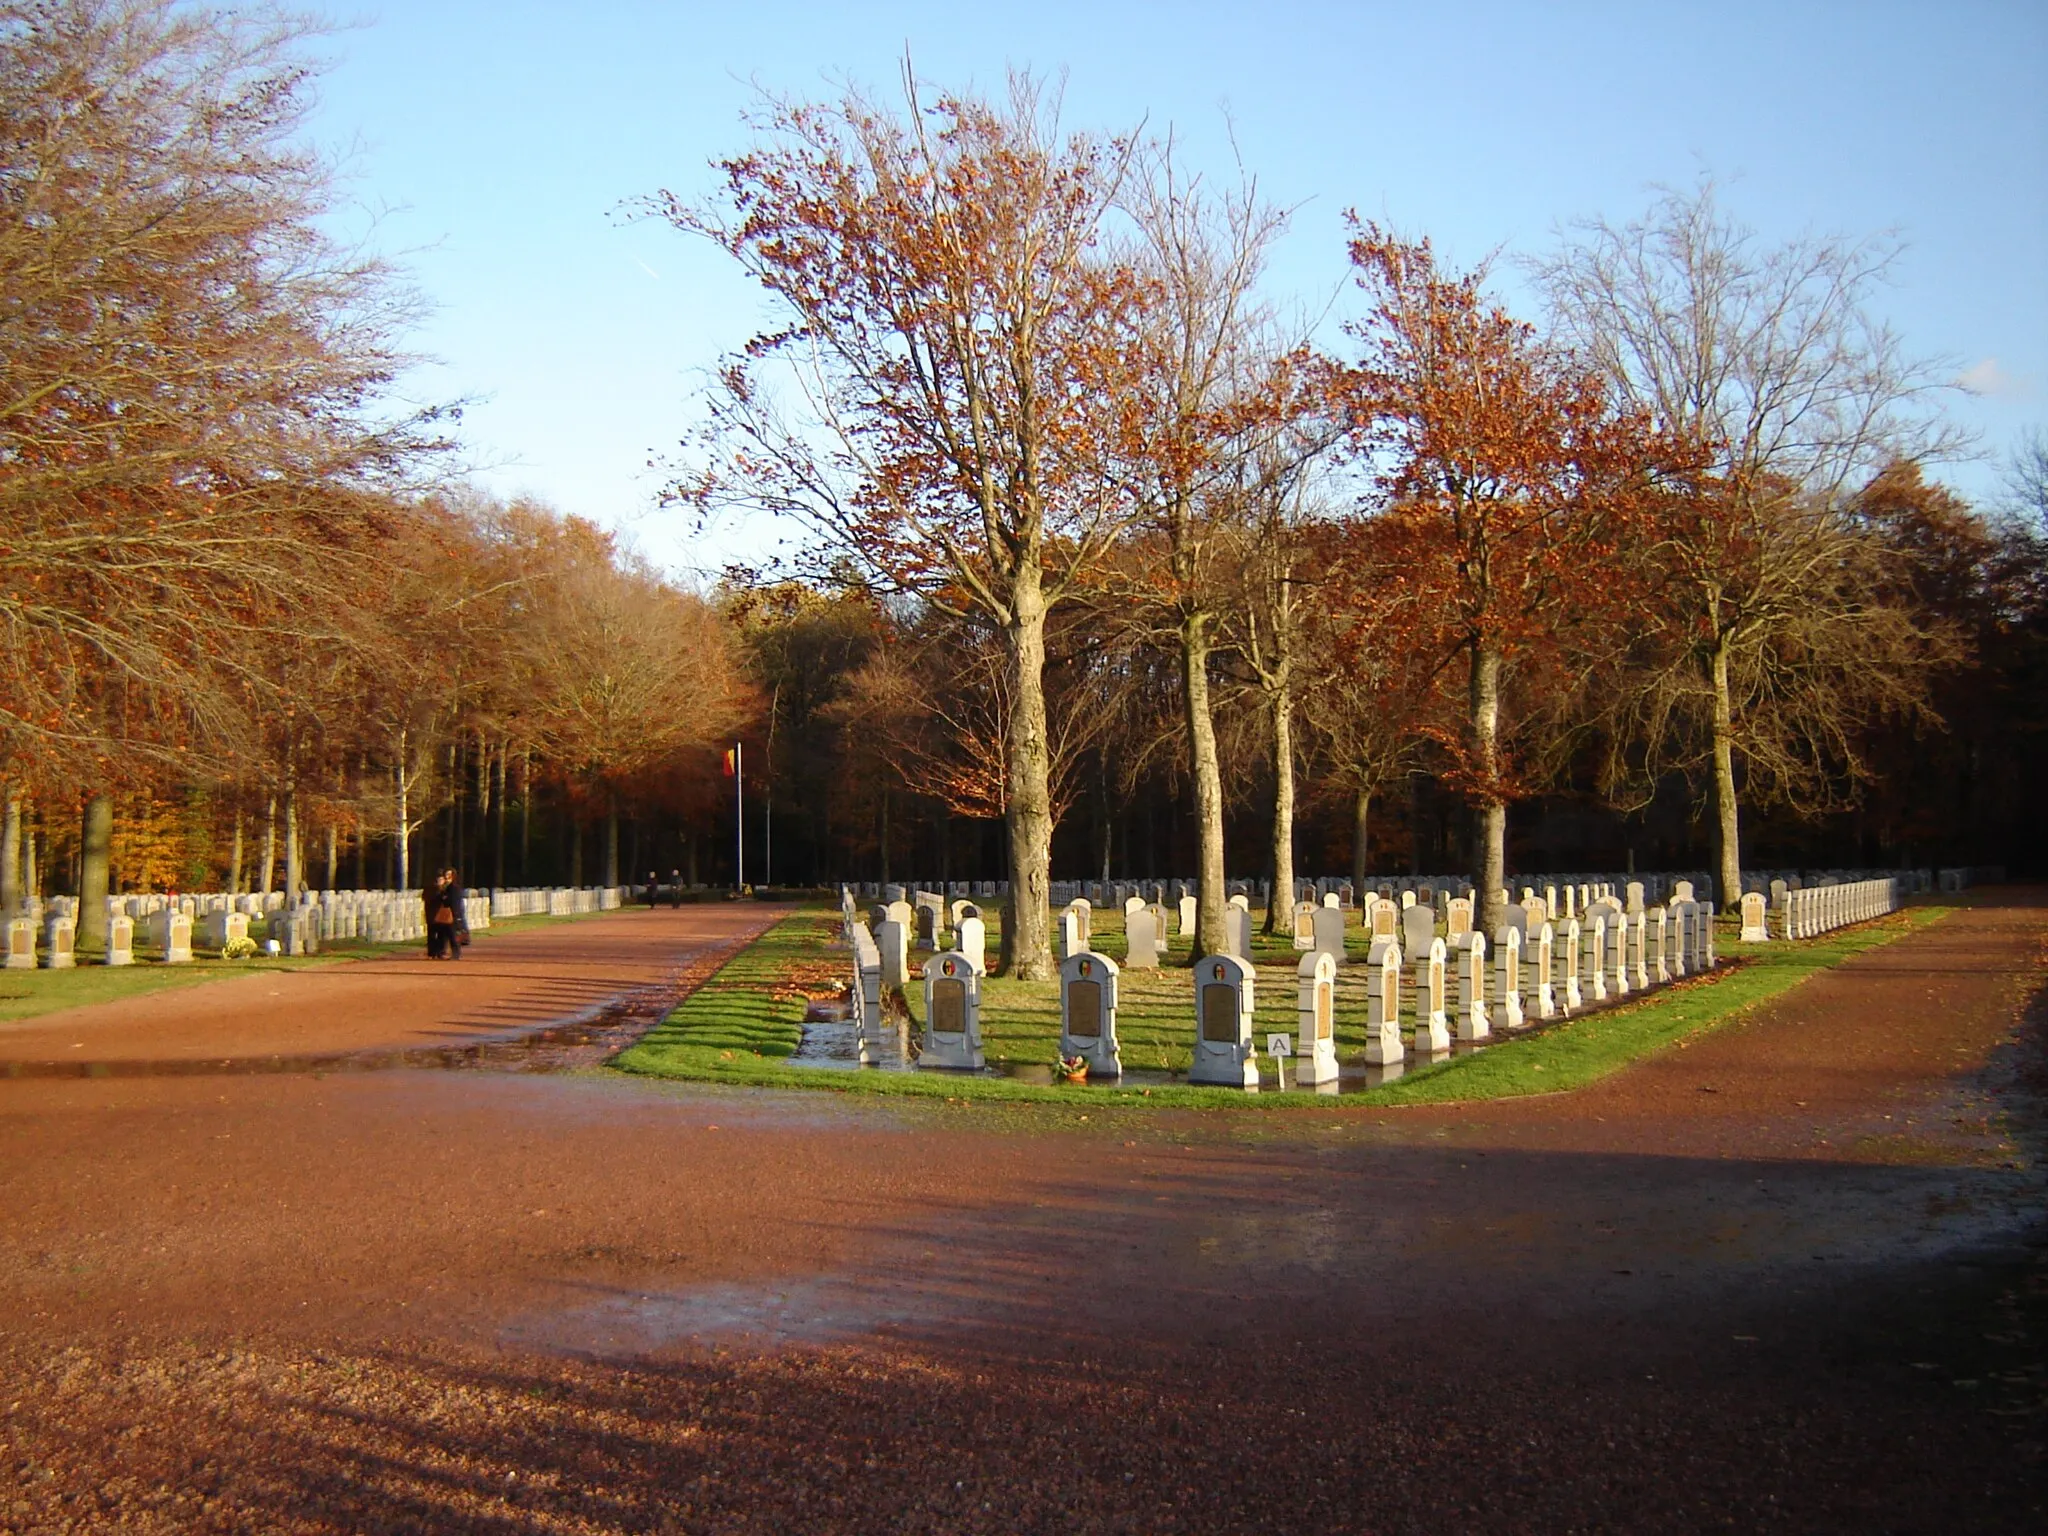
{"x": 1279, "y": 1047}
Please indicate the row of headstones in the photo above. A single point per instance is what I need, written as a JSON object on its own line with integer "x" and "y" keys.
{"x": 1805, "y": 914}
{"x": 1616, "y": 953}
{"x": 1769, "y": 882}
{"x": 383, "y": 917}
{"x": 1962, "y": 877}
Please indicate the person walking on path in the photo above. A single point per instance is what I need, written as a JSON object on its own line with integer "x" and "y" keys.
{"x": 653, "y": 889}
{"x": 458, "y": 930}
{"x": 447, "y": 925}
{"x": 440, "y": 916}
{"x": 675, "y": 888}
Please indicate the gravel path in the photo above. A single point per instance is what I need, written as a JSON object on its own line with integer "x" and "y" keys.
{"x": 1722, "y": 1289}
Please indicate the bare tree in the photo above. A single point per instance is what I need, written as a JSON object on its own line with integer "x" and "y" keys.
{"x": 1769, "y": 639}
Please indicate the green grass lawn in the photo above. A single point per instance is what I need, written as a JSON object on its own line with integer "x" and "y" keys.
{"x": 28, "y": 994}
{"x": 743, "y": 1024}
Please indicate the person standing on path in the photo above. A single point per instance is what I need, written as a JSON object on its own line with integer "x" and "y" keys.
{"x": 653, "y": 889}
{"x": 675, "y": 888}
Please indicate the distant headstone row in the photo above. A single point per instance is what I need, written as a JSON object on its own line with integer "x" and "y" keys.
{"x": 170, "y": 924}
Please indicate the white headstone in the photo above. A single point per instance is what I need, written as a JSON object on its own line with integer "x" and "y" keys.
{"x": 1088, "y": 986}
{"x": 952, "y": 1014}
{"x": 1432, "y": 1028}
{"x": 1755, "y": 930}
{"x": 1507, "y": 977}
{"x": 972, "y": 934}
{"x": 1237, "y": 929}
{"x": 1224, "y": 989}
{"x": 120, "y": 939}
{"x": 21, "y": 944}
{"x": 58, "y": 943}
{"x": 1474, "y": 1021}
{"x": 1141, "y": 941}
{"x": 1383, "y": 1004}
{"x": 1329, "y": 933}
{"x": 894, "y": 944}
{"x": 1315, "y": 1054}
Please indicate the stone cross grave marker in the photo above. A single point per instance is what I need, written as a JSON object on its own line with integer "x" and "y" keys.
{"x": 1088, "y": 986}
{"x": 952, "y": 1014}
{"x": 1315, "y": 1056}
{"x": 1224, "y": 987}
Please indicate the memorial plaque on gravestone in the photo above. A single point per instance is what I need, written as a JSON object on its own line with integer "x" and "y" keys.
{"x": 1304, "y": 925}
{"x": 1432, "y": 1028}
{"x": 952, "y": 1013}
{"x": 1383, "y": 1005}
{"x": 21, "y": 944}
{"x": 1223, "y": 1015}
{"x": 1088, "y": 997}
{"x": 1754, "y": 929}
{"x": 1315, "y": 1054}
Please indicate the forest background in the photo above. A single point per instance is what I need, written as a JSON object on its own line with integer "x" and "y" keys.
{"x": 1107, "y": 564}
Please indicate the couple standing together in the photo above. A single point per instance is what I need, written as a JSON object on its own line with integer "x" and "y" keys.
{"x": 447, "y": 925}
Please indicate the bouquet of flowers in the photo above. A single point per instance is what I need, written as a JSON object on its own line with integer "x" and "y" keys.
{"x": 1074, "y": 1068}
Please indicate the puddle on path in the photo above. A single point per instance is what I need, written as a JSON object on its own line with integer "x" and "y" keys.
{"x": 620, "y": 1325}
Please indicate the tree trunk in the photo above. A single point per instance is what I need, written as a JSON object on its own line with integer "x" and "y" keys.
{"x": 576, "y": 853}
{"x": 1027, "y": 948}
{"x": 10, "y": 855}
{"x": 31, "y": 881}
{"x": 1206, "y": 773}
{"x": 525, "y": 816}
{"x": 1490, "y": 813}
{"x": 1727, "y": 812}
{"x": 1361, "y": 813}
{"x": 292, "y": 861}
{"x": 611, "y": 840}
{"x": 401, "y": 835}
{"x": 269, "y": 842}
{"x": 235, "y": 857}
{"x": 333, "y": 855}
{"x": 95, "y": 852}
{"x": 1282, "y": 899}
{"x": 498, "y": 832}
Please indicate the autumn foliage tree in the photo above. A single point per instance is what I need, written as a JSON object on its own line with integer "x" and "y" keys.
{"x": 1508, "y": 489}
{"x": 957, "y": 337}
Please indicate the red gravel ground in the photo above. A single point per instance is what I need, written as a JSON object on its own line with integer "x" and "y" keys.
{"x": 1786, "y": 1278}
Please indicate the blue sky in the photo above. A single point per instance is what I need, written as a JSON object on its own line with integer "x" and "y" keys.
{"x": 494, "y": 144}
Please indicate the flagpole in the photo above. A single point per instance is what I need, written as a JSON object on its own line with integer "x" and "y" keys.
{"x": 739, "y": 814}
